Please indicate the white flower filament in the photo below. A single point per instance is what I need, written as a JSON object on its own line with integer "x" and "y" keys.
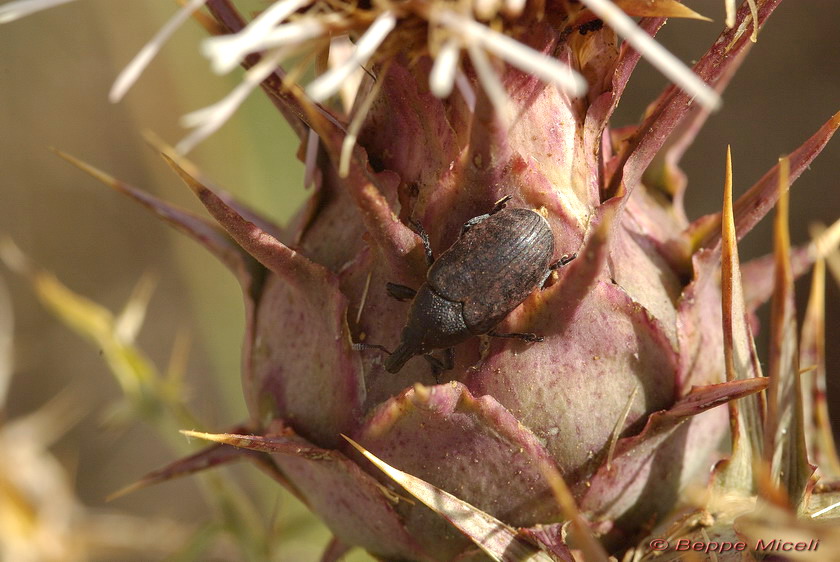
{"x": 141, "y": 60}
{"x": 329, "y": 83}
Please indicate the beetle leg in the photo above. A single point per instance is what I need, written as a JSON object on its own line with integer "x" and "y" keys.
{"x": 548, "y": 273}
{"x": 400, "y": 292}
{"x": 564, "y": 260}
{"x": 427, "y": 247}
{"x": 530, "y": 338}
{"x": 498, "y": 206}
{"x": 449, "y": 358}
{"x": 437, "y": 365}
{"x": 441, "y": 365}
{"x": 471, "y": 223}
{"x": 556, "y": 265}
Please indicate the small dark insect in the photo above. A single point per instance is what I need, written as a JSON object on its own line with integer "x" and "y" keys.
{"x": 590, "y": 26}
{"x": 498, "y": 260}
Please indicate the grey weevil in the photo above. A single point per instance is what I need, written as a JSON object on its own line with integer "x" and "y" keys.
{"x": 496, "y": 262}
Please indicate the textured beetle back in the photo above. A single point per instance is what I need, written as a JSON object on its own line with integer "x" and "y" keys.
{"x": 494, "y": 266}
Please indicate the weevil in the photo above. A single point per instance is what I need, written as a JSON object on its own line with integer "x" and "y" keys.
{"x": 496, "y": 262}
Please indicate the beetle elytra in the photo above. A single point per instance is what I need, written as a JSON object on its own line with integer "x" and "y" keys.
{"x": 497, "y": 261}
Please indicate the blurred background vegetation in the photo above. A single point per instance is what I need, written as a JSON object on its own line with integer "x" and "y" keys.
{"x": 55, "y": 71}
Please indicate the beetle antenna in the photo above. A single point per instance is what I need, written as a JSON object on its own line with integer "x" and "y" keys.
{"x": 366, "y": 346}
{"x": 397, "y": 359}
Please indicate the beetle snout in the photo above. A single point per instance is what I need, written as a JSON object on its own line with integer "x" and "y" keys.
{"x": 396, "y": 360}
